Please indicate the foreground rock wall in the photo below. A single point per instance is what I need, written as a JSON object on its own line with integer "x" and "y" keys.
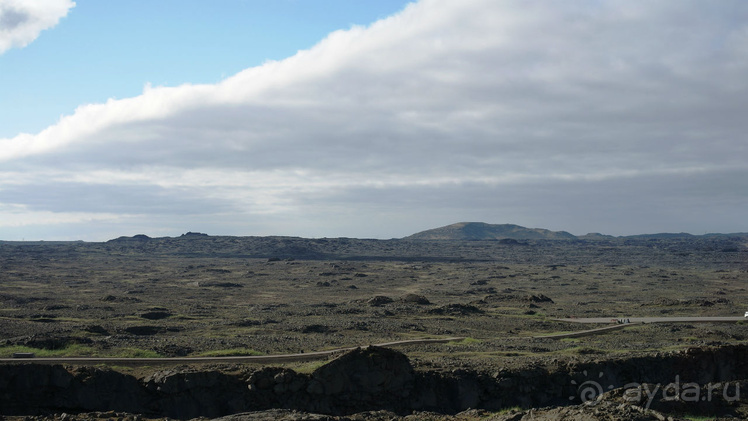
{"x": 364, "y": 379}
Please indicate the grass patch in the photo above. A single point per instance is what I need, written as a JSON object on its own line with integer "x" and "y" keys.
{"x": 135, "y": 353}
{"x": 72, "y": 350}
{"x": 78, "y": 350}
{"x": 233, "y": 352}
{"x": 589, "y": 351}
{"x": 308, "y": 368}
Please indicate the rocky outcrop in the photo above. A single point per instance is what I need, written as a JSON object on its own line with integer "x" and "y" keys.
{"x": 369, "y": 379}
{"x": 363, "y": 379}
{"x": 33, "y": 389}
{"x": 602, "y": 411}
{"x": 379, "y": 300}
{"x": 185, "y": 395}
{"x": 416, "y": 299}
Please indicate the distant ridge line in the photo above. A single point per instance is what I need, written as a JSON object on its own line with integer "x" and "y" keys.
{"x": 469, "y": 231}
{"x": 485, "y": 231}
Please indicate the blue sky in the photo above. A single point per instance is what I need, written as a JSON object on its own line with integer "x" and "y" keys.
{"x": 111, "y": 49}
{"x": 371, "y": 119}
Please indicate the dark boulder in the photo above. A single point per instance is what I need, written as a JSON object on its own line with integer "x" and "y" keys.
{"x": 416, "y": 299}
{"x": 379, "y": 300}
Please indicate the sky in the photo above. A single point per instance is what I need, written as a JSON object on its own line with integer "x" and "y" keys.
{"x": 371, "y": 119}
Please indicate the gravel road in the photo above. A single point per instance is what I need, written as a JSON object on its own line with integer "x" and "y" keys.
{"x": 656, "y": 319}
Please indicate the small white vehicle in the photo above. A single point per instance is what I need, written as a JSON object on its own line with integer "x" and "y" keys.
{"x": 746, "y": 315}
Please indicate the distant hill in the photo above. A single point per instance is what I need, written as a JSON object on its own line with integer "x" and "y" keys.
{"x": 483, "y": 231}
{"x": 595, "y": 236}
{"x": 661, "y": 236}
{"x": 136, "y": 237}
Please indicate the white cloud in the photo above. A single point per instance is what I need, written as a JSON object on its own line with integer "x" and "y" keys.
{"x": 494, "y": 98}
{"x": 21, "y": 21}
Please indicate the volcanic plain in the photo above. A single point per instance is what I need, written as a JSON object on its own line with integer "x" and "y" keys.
{"x": 200, "y": 295}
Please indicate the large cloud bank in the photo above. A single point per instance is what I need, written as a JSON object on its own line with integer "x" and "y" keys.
{"x": 21, "y": 21}
{"x": 617, "y": 116}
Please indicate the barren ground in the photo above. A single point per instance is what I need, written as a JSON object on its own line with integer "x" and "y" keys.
{"x": 198, "y": 295}
{"x": 212, "y": 295}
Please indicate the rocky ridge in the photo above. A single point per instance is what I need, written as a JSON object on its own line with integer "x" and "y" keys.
{"x": 379, "y": 379}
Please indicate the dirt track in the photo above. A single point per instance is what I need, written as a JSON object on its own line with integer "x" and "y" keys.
{"x": 631, "y": 321}
{"x": 656, "y": 319}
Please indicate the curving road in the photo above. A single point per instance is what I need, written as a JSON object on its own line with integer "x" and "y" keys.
{"x": 608, "y": 320}
{"x": 260, "y": 359}
{"x": 630, "y": 321}
{"x": 582, "y": 333}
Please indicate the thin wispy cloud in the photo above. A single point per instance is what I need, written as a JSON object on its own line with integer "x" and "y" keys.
{"x": 584, "y": 116}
